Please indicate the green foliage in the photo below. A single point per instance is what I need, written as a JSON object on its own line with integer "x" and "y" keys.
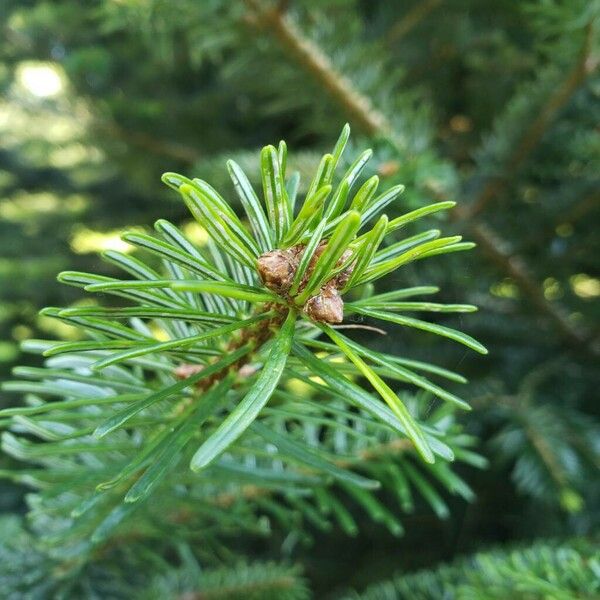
{"x": 553, "y": 450}
{"x": 28, "y": 570}
{"x": 492, "y": 104}
{"x": 262, "y": 581}
{"x": 201, "y": 372}
{"x": 566, "y": 570}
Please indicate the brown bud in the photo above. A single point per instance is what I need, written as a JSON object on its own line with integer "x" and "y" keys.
{"x": 326, "y": 307}
{"x": 297, "y": 251}
{"x": 316, "y": 255}
{"x": 341, "y": 279}
{"x": 276, "y": 269}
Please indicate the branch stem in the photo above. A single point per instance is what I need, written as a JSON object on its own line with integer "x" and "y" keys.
{"x": 410, "y": 20}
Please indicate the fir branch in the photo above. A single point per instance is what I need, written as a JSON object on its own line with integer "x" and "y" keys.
{"x": 547, "y": 446}
{"x": 315, "y": 61}
{"x": 552, "y": 569}
{"x": 256, "y": 581}
{"x": 584, "y": 66}
{"x": 318, "y": 65}
{"x": 210, "y": 342}
{"x": 547, "y": 455}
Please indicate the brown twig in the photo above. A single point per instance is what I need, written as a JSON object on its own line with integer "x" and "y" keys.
{"x": 172, "y": 150}
{"x": 575, "y": 213}
{"x": 580, "y": 209}
{"x": 410, "y": 20}
{"x": 515, "y": 267}
{"x": 255, "y": 336}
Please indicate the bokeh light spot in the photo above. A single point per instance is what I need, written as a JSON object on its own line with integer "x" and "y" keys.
{"x": 86, "y": 241}
{"x": 43, "y": 80}
{"x": 585, "y": 286}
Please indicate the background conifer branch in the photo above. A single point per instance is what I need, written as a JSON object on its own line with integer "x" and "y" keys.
{"x": 312, "y": 58}
{"x": 497, "y": 250}
{"x": 584, "y": 66}
{"x": 316, "y": 62}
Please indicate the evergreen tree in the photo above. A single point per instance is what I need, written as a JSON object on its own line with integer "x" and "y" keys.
{"x": 493, "y": 105}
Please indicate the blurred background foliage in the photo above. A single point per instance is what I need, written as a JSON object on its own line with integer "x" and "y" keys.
{"x": 492, "y": 104}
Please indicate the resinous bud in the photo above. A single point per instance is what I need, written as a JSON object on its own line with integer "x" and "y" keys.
{"x": 326, "y": 307}
{"x": 276, "y": 269}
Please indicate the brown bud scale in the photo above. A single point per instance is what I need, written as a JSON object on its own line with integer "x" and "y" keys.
{"x": 326, "y": 307}
{"x": 277, "y": 268}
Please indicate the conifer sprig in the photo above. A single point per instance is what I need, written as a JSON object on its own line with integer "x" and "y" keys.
{"x": 200, "y": 364}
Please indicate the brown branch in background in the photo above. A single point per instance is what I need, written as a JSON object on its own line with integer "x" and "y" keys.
{"x": 584, "y": 66}
{"x": 410, "y": 20}
{"x": 575, "y": 213}
{"x": 172, "y": 150}
{"x": 517, "y": 270}
{"x": 313, "y": 60}
{"x": 580, "y": 210}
